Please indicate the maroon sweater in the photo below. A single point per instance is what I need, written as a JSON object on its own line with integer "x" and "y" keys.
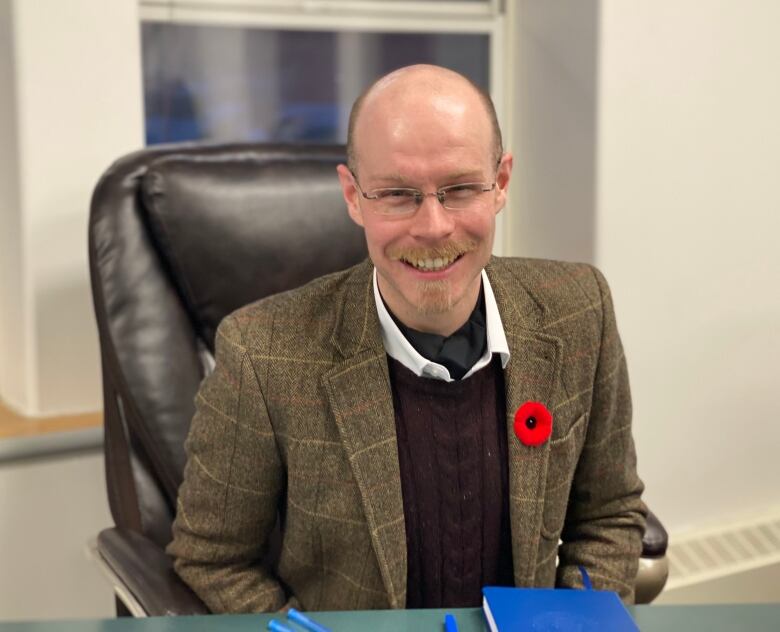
{"x": 453, "y": 457}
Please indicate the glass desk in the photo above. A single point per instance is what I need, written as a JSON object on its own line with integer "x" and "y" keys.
{"x": 717, "y": 618}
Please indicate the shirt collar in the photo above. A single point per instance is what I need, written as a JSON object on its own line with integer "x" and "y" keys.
{"x": 399, "y": 348}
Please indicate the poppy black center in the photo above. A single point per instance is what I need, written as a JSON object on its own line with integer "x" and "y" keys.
{"x": 530, "y": 423}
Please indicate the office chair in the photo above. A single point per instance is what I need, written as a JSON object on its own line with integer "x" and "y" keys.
{"x": 179, "y": 237}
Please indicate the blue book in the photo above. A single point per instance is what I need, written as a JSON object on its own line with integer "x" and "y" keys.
{"x": 555, "y": 610}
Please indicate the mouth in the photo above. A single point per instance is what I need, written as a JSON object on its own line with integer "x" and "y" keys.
{"x": 436, "y": 264}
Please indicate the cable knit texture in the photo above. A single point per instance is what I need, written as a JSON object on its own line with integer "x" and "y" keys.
{"x": 453, "y": 462}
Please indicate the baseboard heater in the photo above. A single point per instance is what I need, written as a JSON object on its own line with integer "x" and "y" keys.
{"x": 705, "y": 554}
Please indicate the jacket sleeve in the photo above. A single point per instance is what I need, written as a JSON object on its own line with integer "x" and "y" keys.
{"x": 233, "y": 479}
{"x": 605, "y": 519}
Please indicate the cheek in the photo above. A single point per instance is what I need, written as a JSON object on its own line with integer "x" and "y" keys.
{"x": 380, "y": 236}
{"x": 480, "y": 226}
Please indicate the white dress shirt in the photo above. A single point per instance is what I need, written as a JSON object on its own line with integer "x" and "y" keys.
{"x": 399, "y": 348}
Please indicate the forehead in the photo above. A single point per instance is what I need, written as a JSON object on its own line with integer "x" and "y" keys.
{"x": 413, "y": 132}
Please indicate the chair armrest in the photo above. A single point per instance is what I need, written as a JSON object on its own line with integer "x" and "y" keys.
{"x": 146, "y": 572}
{"x": 653, "y": 566}
{"x": 655, "y": 540}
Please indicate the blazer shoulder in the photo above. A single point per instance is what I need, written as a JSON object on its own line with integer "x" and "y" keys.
{"x": 558, "y": 287}
{"x": 549, "y": 273}
{"x": 307, "y": 313}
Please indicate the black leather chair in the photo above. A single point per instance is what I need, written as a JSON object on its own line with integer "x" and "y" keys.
{"x": 180, "y": 236}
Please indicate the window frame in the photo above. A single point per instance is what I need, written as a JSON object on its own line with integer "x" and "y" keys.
{"x": 486, "y": 17}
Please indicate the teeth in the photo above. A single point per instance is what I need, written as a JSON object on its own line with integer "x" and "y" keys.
{"x": 432, "y": 264}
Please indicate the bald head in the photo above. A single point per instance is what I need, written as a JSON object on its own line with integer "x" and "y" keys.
{"x": 412, "y": 88}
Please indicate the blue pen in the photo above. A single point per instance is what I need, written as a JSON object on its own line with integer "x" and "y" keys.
{"x": 450, "y": 623}
{"x": 304, "y": 621}
{"x": 277, "y": 626}
{"x": 586, "y": 583}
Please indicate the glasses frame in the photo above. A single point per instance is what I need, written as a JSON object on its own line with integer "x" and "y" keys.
{"x": 419, "y": 196}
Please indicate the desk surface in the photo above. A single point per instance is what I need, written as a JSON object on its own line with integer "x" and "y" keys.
{"x": 736, "y": 618}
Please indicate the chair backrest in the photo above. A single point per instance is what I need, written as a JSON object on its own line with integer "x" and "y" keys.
{"x": 179, "y": 237}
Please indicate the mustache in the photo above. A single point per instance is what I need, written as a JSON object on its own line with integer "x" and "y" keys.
{"x": 450, "y": 249}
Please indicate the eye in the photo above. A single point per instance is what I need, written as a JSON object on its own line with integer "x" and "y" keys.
{"x": 461, "y": 191}
{"x": 395, "y": 196}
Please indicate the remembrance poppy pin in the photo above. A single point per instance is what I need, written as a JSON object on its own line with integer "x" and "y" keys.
{"x": 533, "y": 424}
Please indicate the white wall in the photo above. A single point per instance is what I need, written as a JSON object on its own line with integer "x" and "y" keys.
{"x": 554, "y": 144}
{"x": 50, "y": 508}
{"x": 12, "y": 305}
{"x": 72, "y": 101}
{"x": 688, "y": 223}
{"x": 685, "y": 220}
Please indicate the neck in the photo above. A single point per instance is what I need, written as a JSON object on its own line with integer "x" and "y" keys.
{"x": 443, "y": 323}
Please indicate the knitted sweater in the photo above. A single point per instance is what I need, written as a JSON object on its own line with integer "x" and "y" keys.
{"x": 453, "y": 458}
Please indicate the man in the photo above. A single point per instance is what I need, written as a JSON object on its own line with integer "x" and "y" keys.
{"x": 375, "y": 408}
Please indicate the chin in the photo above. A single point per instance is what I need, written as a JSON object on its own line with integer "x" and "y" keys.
{"x": 434, "y": 297}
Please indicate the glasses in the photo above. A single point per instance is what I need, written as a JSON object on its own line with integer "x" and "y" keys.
{"x": 404, "y": 201}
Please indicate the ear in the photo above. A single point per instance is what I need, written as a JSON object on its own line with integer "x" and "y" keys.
{"x": 503, "y": 175}
{"x": 350, "y": 193}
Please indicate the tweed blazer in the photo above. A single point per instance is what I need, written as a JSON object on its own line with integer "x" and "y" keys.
{"x": 298, "y": 416}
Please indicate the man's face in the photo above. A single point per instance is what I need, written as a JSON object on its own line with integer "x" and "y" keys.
{"x": 428, "y": 143}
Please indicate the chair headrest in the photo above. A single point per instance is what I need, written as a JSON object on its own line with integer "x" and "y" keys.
{"x": 233, "y": 229}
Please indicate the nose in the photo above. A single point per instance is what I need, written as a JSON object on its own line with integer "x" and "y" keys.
{"x": 432, "y": 221}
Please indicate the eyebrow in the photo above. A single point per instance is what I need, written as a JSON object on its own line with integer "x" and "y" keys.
{"x": 397, "y": 179}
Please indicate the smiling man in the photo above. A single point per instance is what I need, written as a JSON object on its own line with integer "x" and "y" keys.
{"x": 426, "y": 178}
{"x": 383, "y": 411}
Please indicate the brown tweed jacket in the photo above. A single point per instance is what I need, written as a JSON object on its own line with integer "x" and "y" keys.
{"x": 298, "y": 413}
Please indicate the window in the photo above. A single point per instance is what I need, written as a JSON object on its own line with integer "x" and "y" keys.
{"x": 245, "y": 83}
{"x": 289, "y": 70}
{"x": 266, "y": 70}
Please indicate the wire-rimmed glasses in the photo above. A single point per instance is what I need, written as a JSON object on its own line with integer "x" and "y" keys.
{"x": 405, "y": 201}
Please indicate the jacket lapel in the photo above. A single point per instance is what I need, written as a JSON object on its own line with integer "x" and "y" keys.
{"x": 361, "y": 401}
{"x": 531, "y": 375}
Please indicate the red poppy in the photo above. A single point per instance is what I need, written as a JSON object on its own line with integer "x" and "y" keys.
{"x": 533, "y": 423}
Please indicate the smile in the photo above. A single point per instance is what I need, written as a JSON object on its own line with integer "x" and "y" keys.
{"x": 432, "y": 265}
